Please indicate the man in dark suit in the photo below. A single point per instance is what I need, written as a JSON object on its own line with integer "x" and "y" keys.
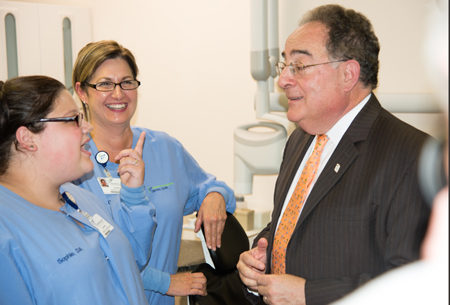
{"x": 363, "y": 212}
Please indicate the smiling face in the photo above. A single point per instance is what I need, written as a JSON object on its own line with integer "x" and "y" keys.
{"x": 115, "y": 107}
{"x": 61, "y": 144}
{"x": 316, "y": 99}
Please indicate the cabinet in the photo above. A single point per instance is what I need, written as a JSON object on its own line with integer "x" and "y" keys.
{"x": 47, "y": 38}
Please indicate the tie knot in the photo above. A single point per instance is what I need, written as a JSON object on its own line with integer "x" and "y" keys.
{"x": 321, "y": 141}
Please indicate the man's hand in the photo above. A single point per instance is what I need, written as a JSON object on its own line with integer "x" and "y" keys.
{"x": 282, "y": 289}
{"x": 252, "y": 264}
{"x": 184, "y": 284}
{"x": 213, "y": 214}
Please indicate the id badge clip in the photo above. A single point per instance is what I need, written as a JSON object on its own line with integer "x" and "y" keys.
{"x": 102, "y": 158}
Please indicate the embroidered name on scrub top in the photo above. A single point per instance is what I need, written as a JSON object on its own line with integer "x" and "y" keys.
{"x": 96, "y": 221}
{"x": 68, "y": 255}
{"x": 108, "y": 184}
{"x": 159, "y": 187}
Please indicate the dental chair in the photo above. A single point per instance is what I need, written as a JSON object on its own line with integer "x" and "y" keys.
{"x": 223, "y": 284}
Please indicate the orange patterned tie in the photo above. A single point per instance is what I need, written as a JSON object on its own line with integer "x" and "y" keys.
{"x": 292, "y": 211}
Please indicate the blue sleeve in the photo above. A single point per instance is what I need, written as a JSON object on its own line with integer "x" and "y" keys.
{"x": 135, "y": 215}
{"x": 203, "y": 183}
{"x": 156, "y": 280}
{"x": 222, "y": 188}
{"x": 13, "y": 287}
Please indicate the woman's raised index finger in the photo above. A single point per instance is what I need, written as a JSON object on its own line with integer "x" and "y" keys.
{"x": 140, "y": 143}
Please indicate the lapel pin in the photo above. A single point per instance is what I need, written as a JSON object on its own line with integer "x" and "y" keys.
{"x": 337, "y": 167}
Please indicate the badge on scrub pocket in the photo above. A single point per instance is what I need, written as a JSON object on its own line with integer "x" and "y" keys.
{"x": 109, "y": 185}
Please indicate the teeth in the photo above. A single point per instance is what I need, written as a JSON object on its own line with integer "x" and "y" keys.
{"x": 116, "y": 106}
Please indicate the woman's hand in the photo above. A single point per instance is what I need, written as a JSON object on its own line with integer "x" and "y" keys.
{"x": 132, "y": 168}
{"x": 184, "y": 284}
{"x": 213, "y": 214}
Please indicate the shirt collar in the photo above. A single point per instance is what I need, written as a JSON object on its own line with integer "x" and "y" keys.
{"x": 337, "y": 131}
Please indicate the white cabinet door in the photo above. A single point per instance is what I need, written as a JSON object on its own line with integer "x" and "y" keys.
{"x": 40, "y": 38}
{"x": 27, "y": 37}
{"x": 51, "y": 18}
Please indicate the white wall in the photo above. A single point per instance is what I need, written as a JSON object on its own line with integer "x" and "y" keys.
{"x": 194, "y": 58}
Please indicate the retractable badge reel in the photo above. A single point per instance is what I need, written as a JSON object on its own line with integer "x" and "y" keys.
{"x": 102, "y": 158}
{"x": 97, "y": 221}
{"x": 109, "y": 185}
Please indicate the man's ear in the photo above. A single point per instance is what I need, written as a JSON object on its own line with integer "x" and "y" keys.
{"x": 26, "y": 139}
{"x": 351, "y": 74}
{"x": 81, "y": 93}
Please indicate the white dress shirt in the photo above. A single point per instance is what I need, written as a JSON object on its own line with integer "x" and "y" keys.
{"x": 335, "y": 135}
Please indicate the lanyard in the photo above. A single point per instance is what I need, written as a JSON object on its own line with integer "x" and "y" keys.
{"x": 68, "y": 198}
{"x": 97, "y": 221}
{"x": 102, "y": 158}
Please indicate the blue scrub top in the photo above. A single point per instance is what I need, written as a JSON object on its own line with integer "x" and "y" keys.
{"x": 176, "y": 185}
{"x": 47, "y": 258}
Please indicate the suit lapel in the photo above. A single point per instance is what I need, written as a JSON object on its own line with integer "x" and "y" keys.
{"x": 345, "y": 154}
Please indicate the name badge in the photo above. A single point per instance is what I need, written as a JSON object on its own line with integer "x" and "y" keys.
{"x": 110, "y": 185}
{"x": 101, "y": 225}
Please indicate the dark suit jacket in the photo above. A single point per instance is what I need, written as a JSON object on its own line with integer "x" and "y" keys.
{"x": 362, "y": 220}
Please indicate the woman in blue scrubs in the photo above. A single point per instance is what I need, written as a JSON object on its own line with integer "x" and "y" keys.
{"x": 105, "y": 79}
{"x": 59, "y": 244}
